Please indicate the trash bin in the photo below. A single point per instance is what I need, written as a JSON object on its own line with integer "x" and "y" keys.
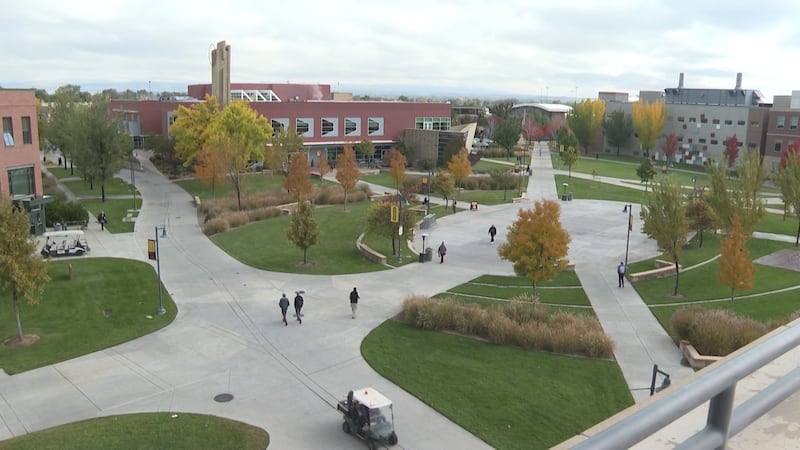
{"x": 563, "y": 197}
{"x": 57, "y": 226}
{"x": 421, "y": 257}
{"x": 429, "y": 254}
{"x": 569, "y": 196}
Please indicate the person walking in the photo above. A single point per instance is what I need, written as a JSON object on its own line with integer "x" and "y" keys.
{"x": 454, "y": 206}
{"x": 442, "y": 251}
{"x": 298, "y": 306}
{"x": 621, "y": 272}
{"x": 492, "y": 232}
{"x": 102, "y": 219}
{"x": 354, "y": 301}
{"x": 284, "y": 304}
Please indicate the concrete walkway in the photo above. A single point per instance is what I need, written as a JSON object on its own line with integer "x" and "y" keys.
{"x": 228, "y": 337}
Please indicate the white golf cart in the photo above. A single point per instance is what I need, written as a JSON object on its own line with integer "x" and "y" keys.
{"x": 368, "y": 415}
{"x": 64, "y": 243}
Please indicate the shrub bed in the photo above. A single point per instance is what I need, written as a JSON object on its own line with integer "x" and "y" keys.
{"x": 519, "y": 323}
{"x": 715, "y": 332}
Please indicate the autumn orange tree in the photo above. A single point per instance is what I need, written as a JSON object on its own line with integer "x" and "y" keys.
{"x": 736, "y": 270}
{"x": 24, "y": 272}
{"x": 298, "y": 178}
{"x": 537, "y": 244}
{"x": 347, "y": 172}
{"x": 460, "y": 167}
{"x": 397, "y": 165}
{"x": 192, "y": 128}
{"x": 670, "y": 146}
{"x": 585, "y": 119}
{"x": 323, "y": 168}
{"x": 210, "y": 167}
{"x": 648, "y": 121}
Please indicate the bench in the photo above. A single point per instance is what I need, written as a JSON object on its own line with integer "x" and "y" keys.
{"x": 82, "y": 224}
{"x": 522, "y": 197}
{"x": 369, "y": 253}
{"x": 659, "y": 272}
{"x": 695, "y": 359}
{"x": 196, "y": 201}
{"x": 287, "y": 208}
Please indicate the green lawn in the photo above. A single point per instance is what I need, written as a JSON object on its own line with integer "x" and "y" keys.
{"x": 509, "y": 397}
{"x": 251, "y": 183}
{"x": 114, "y": 186}
{"x": 115, "y": 211}
{"x": 596, "y": 190}
{"x": 774, "y": 223}
{"x": 485, "y": 165}
{"x": 69, "y": 318}
{"x": 145, "y": 431}
{"x": 264, "y": 244}
{"x": 482, "y": 197}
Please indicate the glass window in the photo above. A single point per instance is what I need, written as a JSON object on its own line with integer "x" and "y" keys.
{"x": 728, "y": 122}
{"x": 793, "y": 122}
{"x": 692, "y": 119}
{"x": 302, "y": 126}
{"x": 8, "y": 132}
{"x": 352, "y": 126}
{"x": 714, "y": 142}
{"x": 777, "y": 146}
{"x": 780, "y": 125}
{"x": 715, "y": 121}
{"x": 740, "y": 122}
{"x": 20, "y": 181}
{"x": 277, "y": 127}
{"x": 702, "y": 140}
{"x": 27, "y": 137}
{"x": 329, "y": 127}
{"x": 681, "y": 119}
{"x": 375, "y": 126}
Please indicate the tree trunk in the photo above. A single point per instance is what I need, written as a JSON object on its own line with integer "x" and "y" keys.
{"x": 394, "y": 252}
{"x": 677, "y": 277}
{"x": 16, "y": 315}
{"x": 701, "y": 238}
{"x": 617, "y": 151}
{"x": 103, "y": 193}
{"x": 305, "y": 251}
{"x": 797, "y": 238}
{"x": 534, "y": 287}
{"x": 732, "y": 290}
{"x": 345, "y": 199}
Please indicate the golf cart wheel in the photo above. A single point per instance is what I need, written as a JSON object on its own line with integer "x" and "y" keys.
{"x": 393, "y": 438}
{"x": 372, "y": 444}
{"x": 345, "y": 427}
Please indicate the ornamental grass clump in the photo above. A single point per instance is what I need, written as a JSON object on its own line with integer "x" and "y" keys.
{"x": 715, "y": 332}
{"x": 523, "y": 324}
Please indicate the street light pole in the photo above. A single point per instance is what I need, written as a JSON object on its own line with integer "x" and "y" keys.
{"x": 430, "y": 180}
{"x": 628, "y": 209}
{"x": 399, "y": 227}
{"x": 161, "y": 309}
{"x": 133, "y": 182}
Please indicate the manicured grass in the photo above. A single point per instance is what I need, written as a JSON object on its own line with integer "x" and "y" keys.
{"x": 596, "y": 190}
{"x": 774, "y": 223}
{"x": 509, "y": 397}
{"x": 382, "y": 179}
{"x": 563, "y": 296}
{"x": 701, "y": 283}
{"x": 251, "y": 183}
{"x": 115, "y": 211}
{"x": 69, "y": 318}
{"x": 485, "y": 165}
{"x": 383, "y": 245}
{"x": 114, "y": 186}
{"x": 466, "y": 196}
{"x": 564, "y": 278}
{"x": 145, "y": 431}
{"x": 60, "y": 172}
{"x": 264, "y": 244}
{"x": 564, "y": 290}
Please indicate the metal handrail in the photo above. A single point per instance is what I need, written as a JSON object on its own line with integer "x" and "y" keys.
{"x": 716, "y": 386}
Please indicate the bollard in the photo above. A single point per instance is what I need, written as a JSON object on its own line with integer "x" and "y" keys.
{"x": 70, "y": 271}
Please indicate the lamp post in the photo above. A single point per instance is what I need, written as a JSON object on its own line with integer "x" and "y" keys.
{"x": 628, "y": 209}
{"x": 133, "y": 181}
{"x": 428, "y": 205}
{"x": 424, "y": 235}
{"x": 399, "y": 227}
{"x": 163, "y": 229}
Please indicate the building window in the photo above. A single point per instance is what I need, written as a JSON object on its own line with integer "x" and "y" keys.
{"x": 432, "y": 123}
{"x": 728, "y": 122}
{"x": 715, "y": 121}
{"x": 701, "y": 140}
{"x": 703, "y": 118}
{"x": 329, "y": 126}
{"x": 778, "y": 146}
{"x": 714, "y": 142}
{"x": 375, "y": 126}
{"x": 754, "y": 123}
{"x": 352, "y": 126}
{"x": 305, "y": 127}
{"x": 680, "y": 119}
{"x": 8, "y": 132}
{"x": 27, "y": 137}
{"x": 740, "y": 123}
{"x": 279, "y": 126}
{"x": 780, "y": 125}
{"x": 20, "y": 181}
{"x": 793, "y": 122}
{"x": 692, "y": 119}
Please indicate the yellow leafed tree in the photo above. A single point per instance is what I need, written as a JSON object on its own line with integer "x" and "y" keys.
{"x": 648, "y": 121}
{"x": 210, "y": 167}
{"x": 736, "y": 270}
{"x": 193, "y": 127}
{"x": 585, "y": 120}
{"x": 459, "y": 166}
{"x": 347, "y": 172}
{"x": 397, "y": 162}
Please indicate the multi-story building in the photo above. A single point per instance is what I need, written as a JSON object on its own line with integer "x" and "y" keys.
{"x": 783, "y": 127}
{"x": 20, "y": 165}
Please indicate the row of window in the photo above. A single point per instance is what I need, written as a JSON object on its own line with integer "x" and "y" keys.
{"x": 329, "y": 126}
{"x": 793, "y": 122}
{"x": 21, "y": 181}
{"x": 704, "y": 119}
{"x": 8, "y": 131}
{"x": 703, "y": 140}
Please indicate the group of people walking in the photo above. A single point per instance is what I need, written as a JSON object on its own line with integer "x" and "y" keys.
{"x": 283, "y": 303}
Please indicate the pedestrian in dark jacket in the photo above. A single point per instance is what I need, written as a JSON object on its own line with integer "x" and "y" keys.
{"x": 454, "y": 206}
{"x": 492, "y": 232}
{"x": 621, "y": 269}
{"x": 354, "y": 301}
{"x": 298, "y": 306}
{"x": 284, "y": 304}
{"x": 442, "y": 251}
{"x": 102, "y": 219}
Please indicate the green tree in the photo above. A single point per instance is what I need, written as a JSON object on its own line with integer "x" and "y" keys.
{"x": 618, "y": 129}
{"x": 241, "y": 134}
{"x": 58, "y": 129}
{"x": 366, "y": 149}
{"x": 585, "y": 120}
{"x": 537, "y": 244}
{"x": 699, "y": 215}
{"x": 459, "y": 166}
{"x": 787, "y": 178}
{"x": 454, "y": 145}
{"x": 736, "y": 270}
{"x": 347, "y": 172}
{"x": 503, "y": 179}
{"x": 24, "y": 272}
{"x": 303, "y": 229}
{"x": 648, "y": 121}
{"x": 646, "y": 172}
{"x": 379, "y": 222}
{"x": 443, "y": 185}
{"x": 298, "y": 178}
{"x": 570, "y": 157}
{"x": 507, "y": 134}
{"x": 397, "y": 164}
{"x": 284, "y": 143}
{"x": 728, "y": 198}
{"x": 664, "y": 217}
{"x": 192, "y": 128}
{"x": 104, "y": 148}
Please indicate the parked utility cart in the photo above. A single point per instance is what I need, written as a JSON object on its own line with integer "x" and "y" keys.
{"x": 64, "y": 243}
{"x": 368, "y": 414}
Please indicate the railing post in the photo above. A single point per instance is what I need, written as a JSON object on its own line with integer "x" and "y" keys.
{"x": 719, "y": 413}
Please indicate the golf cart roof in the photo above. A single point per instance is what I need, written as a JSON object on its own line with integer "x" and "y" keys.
{"x": 370, "y": 397}
{"x": 63, "y": 234}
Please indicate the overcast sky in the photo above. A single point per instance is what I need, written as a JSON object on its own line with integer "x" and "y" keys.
{"x": 530, "y": 49}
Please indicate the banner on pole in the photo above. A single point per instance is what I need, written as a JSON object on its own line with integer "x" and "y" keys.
{"x": 151, "y": 249}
